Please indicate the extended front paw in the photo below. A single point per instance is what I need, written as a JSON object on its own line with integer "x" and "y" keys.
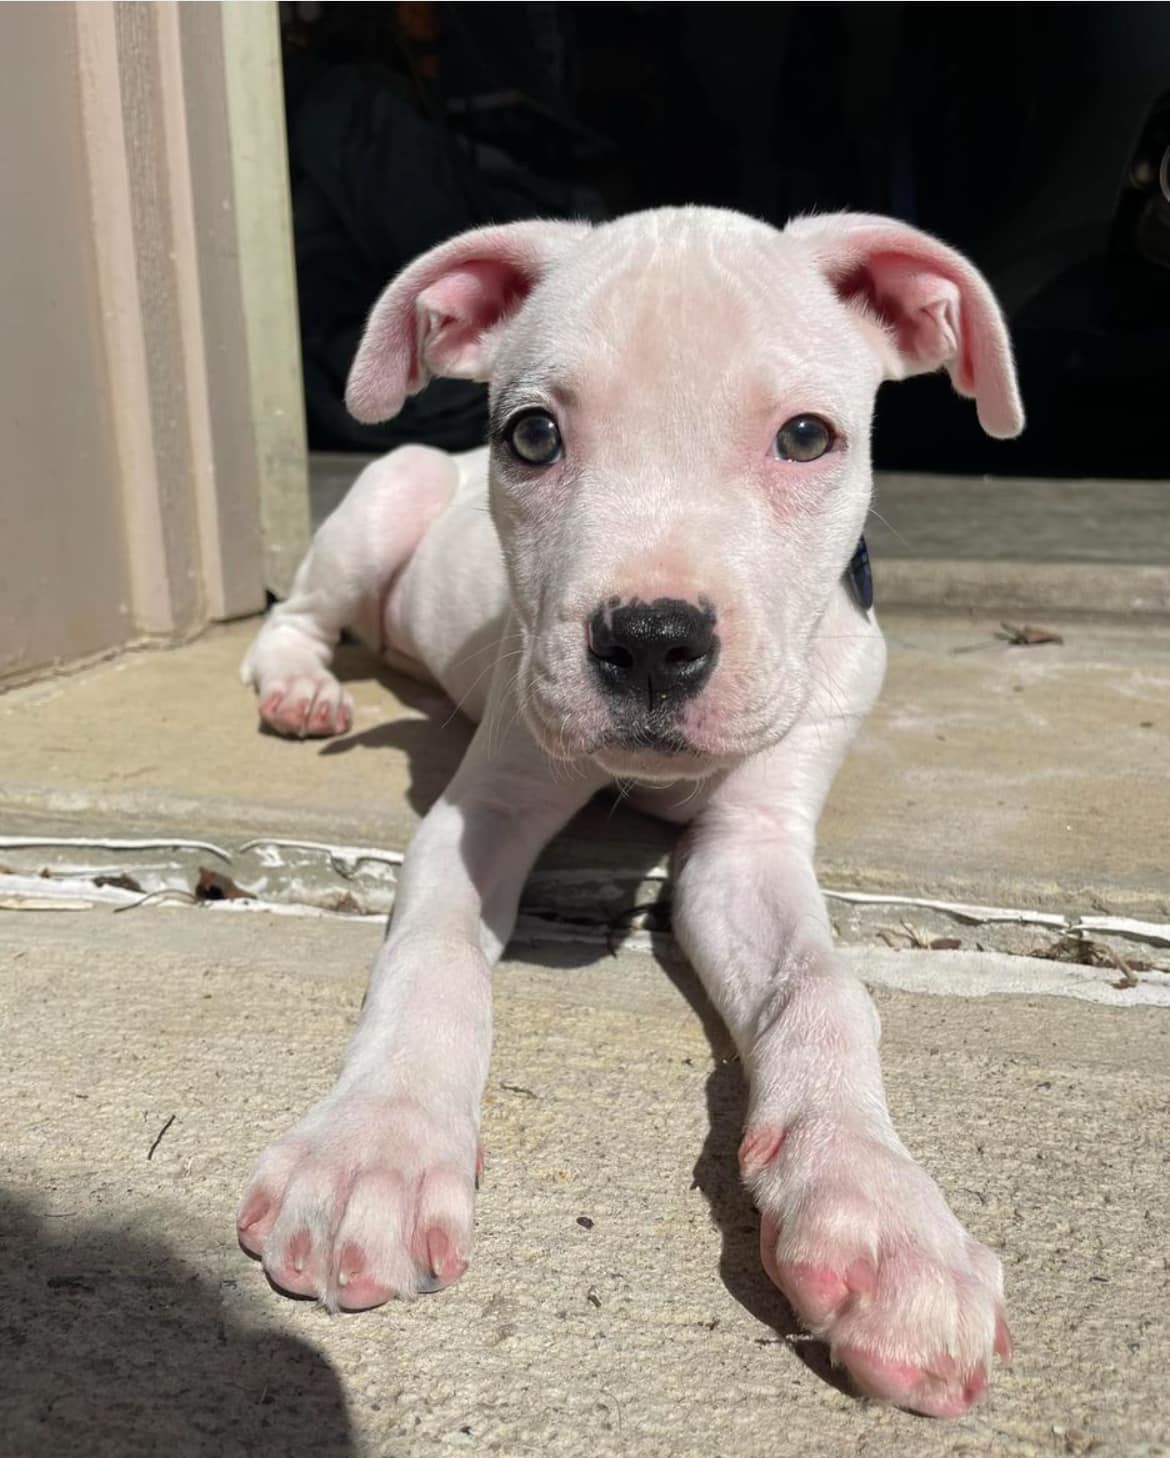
{"x": 863, "y": 1245}
{"x": 368, "y": 1198}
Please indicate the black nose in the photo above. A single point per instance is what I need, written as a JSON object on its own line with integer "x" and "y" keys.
{"x": 659, "y": 651}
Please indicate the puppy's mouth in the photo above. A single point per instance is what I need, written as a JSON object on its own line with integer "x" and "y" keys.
{"x": 655, "y": 734}
{"x": 646, "y": 743}
{"x": 657, "y": 748}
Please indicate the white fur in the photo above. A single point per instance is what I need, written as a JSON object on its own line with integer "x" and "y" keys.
{"x": 671, "y": 346}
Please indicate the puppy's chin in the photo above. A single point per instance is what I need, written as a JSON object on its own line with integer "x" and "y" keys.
{"x": 653, "y": 766}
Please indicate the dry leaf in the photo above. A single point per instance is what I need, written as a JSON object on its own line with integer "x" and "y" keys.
{"x": 1024, "y": 635}
{"x": 211, "y": 886}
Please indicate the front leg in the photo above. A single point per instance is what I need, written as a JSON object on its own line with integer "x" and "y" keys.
{"x": 857, "y": 1236}
{"x": 371, "y": 1195}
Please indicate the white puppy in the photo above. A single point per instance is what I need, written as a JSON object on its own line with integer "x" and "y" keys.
{"x": 676, "y": 485}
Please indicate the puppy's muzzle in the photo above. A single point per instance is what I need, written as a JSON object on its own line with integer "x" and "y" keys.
{"x": 653, "y": 655}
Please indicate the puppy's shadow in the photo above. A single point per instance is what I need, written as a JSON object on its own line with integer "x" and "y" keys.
{"x": 433, "y": 741}
{"x": 433, "y": 744}
{"x": 718, "y": 1178}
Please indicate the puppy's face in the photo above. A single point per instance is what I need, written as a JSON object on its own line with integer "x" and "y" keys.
{"x": 679, "y": 473}
{"x": 681, "y": 405}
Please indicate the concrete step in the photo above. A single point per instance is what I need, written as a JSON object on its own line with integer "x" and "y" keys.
{"x": 982, "y": 544}
{"x": 1018, "y": 776}
{"x": 1022, "y": 545}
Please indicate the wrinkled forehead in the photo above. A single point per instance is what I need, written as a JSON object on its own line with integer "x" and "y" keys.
{"x": 695, "y": 313}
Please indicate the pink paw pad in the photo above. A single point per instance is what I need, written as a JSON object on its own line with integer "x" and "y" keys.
{"x": 307, "y": 706}
{"x": 937, "y": 1391}
{"x": 820, "y": 1292}
{"x": 288, "y": 716}
{"x": 256, "y": 1218}
{"x": 760, "y": 1147}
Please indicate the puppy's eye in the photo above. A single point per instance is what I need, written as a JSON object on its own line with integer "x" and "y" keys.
{"x": 533, "y": 437}
{"x": 803, "y": 438}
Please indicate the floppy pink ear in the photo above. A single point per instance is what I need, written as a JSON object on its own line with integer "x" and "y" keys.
{"x": 937, "y": 309}
{"x": 436, "y": 317}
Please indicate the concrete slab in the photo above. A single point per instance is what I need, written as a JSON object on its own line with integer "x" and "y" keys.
{"x": 1026, "y": 520}
{"x": 1020, "y": 776}
{"x": 132, "y": 1325}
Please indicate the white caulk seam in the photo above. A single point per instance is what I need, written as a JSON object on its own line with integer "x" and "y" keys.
{"x": 38, "y": 842}
{"x": 959, "y": 973}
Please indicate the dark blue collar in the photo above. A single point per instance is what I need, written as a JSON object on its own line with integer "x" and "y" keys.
{"x": 860, "y": 577}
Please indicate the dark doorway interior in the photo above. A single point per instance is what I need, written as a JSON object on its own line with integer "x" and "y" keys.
{"x": 1034, "y": 137}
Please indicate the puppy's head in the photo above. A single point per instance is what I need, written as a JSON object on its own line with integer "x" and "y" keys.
{"x": 680, "y": 406}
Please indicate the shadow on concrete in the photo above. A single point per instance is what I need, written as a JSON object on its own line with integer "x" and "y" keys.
{"x": 432, "y": 748}
{"x": 717, "y": 1177}
{"x": 627, "y": 842}
{"x": 433, "y": 744}
{"x": 115, "y": 1348}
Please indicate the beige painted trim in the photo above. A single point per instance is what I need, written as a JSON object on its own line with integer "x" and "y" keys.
{"x": 259, "y": 157}
{"x": 120, "y": 304}
{"x": 158, "y": 251}
{"x": 158, "y": 475}
{"x": 65, "y": 587}
{"x": 186, "y": 263}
